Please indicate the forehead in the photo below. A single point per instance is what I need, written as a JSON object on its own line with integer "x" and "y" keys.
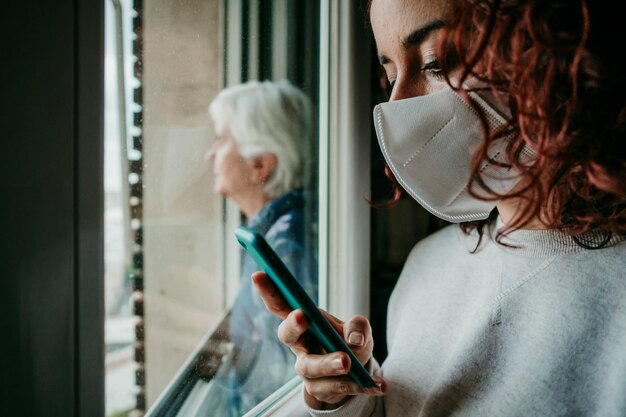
{"x": 222, "y": 128}
{"x": 393, "y": 20}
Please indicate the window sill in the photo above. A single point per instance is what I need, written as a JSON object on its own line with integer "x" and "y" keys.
{"x": 286, "y": 402}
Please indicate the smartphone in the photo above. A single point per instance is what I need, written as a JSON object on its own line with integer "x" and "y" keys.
{"x": 297, "y": 298}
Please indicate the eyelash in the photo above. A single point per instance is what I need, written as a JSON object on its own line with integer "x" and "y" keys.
{"x": 431, "y": 67}
{"x": 434, "y": 69}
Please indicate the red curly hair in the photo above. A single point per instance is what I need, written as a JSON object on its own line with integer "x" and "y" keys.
{"x": 562, "y": 72}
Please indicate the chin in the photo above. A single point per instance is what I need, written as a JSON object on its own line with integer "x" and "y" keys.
{"x": 222, "y": 193}
{"x": 217, "y": 190}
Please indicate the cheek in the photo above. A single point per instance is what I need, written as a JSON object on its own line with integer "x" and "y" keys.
{"x": 233, "y": 169}
{"x": 223, "y": 159}
{"x": 217, "y": 162}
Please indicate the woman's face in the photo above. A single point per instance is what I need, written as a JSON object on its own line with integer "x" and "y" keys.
{"x": 406, "y": 33}
{"x": 232, "y": 172}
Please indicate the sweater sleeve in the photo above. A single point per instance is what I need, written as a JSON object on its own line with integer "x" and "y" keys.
{"x": 357, "y": 405}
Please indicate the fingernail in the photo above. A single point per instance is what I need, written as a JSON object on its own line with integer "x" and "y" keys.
{"x": 356, "y": 338}
{"x": 296, "y": 319}
{"x": 338, "y": 364}
{"x": 378, "y": 388}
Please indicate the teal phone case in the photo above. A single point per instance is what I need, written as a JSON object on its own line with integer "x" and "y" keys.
{"x": 297, "y": 298}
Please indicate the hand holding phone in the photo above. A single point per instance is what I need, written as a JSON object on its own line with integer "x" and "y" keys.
{"x": 297, "y": 299}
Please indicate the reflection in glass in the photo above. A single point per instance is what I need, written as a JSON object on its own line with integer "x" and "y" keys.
{"x": 260, "y": 162}
{"x": 197, "y": 341}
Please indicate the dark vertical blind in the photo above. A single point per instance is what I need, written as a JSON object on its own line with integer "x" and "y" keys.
{"x": 51, "y": 349}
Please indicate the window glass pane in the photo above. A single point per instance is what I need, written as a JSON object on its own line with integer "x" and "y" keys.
{"x": 192, "y": 336}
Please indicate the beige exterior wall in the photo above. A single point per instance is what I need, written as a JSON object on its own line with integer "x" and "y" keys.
{"x": 182, "y": 218}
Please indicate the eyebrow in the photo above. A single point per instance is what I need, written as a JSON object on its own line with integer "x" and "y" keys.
{"x": 416, "y": 37}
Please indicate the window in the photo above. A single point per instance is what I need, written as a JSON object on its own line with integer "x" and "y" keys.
{"x": 173, "y": 271}
{"x": 54, "y": 220}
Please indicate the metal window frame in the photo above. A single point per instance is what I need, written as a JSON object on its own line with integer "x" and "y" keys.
{"x": 52, "y": 297}
{"x": 89, "y": 198}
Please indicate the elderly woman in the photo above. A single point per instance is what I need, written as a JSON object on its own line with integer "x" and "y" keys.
{"x": 260, "y": 161}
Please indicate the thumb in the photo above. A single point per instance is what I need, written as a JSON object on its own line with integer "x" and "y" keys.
{"x": 357, "y": 332}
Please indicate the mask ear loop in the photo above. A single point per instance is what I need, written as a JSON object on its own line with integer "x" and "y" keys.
{"x": 566, "y": 217}
{"x": 602, "y": 244}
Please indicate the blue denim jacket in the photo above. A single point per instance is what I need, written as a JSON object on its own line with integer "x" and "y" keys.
{"x": 261, "y": 364}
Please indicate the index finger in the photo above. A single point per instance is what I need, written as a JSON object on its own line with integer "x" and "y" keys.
{"x": 270, "y": 295}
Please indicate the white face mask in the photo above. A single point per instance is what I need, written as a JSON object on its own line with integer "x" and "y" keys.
{"x": 429, "y": 141}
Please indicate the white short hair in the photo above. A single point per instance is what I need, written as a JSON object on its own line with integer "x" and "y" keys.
{"x": 269, "y": 117}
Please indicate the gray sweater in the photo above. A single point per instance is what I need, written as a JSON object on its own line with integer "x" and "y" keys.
{"x": 535, "y": 331}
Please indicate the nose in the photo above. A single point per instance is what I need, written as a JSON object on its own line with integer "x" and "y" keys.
{"x": 210, "y": 154}
{"x": 407, "y": 87}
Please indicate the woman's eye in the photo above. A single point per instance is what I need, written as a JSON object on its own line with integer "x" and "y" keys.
{"x": 433, "y": 69}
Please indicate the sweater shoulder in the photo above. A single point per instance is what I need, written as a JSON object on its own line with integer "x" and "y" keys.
{"x": 442, "y": 244}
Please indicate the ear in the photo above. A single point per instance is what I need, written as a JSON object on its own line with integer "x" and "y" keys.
{"x": 263, "y": 167}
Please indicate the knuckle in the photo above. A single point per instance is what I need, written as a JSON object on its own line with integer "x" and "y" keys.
{"x": 273, "y": 309}
{"x": 292, "y": 315}
{"x": 341, "y": 387}
{"x": 281, "y": 331}
{"x": 312, "y": 388}
{"x": 300, "y": 367}
{"x": 285, "y": 333}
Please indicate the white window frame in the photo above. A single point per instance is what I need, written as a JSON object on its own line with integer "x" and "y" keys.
{"x": 344, "y": 182}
